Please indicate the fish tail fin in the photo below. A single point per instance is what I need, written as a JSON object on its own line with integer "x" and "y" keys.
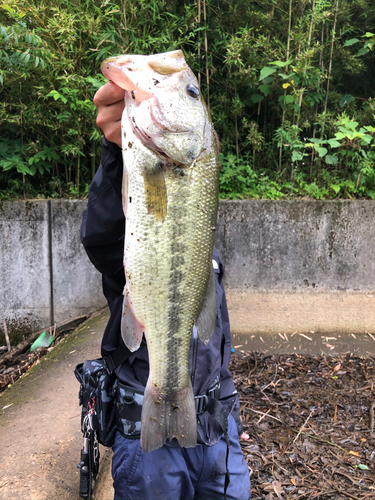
{"x": 164, "y": 419}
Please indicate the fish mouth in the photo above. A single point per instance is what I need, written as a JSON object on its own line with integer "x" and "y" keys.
{"x": 157, "y": 118}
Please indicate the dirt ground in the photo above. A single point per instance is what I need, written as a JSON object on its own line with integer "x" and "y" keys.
{"x": 311, "y": 422}
{"x": 309, "y": 414}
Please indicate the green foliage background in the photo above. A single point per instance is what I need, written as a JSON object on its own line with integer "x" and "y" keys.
{"x": 289, "y": 84}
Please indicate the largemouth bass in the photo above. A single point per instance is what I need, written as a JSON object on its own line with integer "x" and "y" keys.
{"x": 170, "y": 198}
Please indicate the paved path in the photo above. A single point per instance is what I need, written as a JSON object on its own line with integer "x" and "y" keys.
{"x": 40, "y": 437}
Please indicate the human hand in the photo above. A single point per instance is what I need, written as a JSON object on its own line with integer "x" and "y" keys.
{"x": 109, "y": 101}
{"x": 245, "y": 436}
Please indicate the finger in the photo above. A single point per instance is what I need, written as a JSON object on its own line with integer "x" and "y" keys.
{"x": 109, "y": 94}
{"x": 112, "y": 132}
{"x": 108, "y": 114}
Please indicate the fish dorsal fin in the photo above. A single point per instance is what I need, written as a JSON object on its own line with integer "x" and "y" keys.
{"x": 167, "y": 63}
{"x": 206, "y": 319}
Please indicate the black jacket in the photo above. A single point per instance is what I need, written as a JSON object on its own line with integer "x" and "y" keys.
{"x": 102, "y": 234}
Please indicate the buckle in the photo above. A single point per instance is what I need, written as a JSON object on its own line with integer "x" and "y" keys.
{"x": 215, "y": 391}
{"x": 109, "y": 364}
{"x": 128, "y": 397}
{"x": 200, "y": 404}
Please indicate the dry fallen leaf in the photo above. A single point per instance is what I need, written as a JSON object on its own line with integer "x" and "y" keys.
{"x": 278, "y": 489}
{"x": 354, "y": 453}
{"x": 293, "y": 481}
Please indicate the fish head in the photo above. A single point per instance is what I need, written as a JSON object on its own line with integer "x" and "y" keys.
{"x": 163, "y": 103}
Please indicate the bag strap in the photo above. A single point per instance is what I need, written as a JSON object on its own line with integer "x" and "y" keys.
{"x": 116, "y": 357}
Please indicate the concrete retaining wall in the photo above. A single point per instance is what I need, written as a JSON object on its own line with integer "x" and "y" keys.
{"x": 290, "y": 265}
{"x": 298, "y": 265}
{"x": 45, "y": 275}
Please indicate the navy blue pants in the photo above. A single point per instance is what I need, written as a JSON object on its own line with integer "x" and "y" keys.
{"x": 179, "y": 473}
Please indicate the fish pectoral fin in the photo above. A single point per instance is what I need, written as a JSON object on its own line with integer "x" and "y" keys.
{"x": 155, "y": 193}
{"x": 206, "y": 319}
{"x": 125, "y": 190}
{"x": 131, "y": 329}
{"x": 164, "y": 419}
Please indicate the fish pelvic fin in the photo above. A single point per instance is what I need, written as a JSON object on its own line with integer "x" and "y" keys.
{"x": 131, "y": 329}
{"x": 206, "y": 318}
{"x": 164, "y": 419}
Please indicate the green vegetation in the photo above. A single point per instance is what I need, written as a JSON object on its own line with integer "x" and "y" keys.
{"x": 289, "y": 84}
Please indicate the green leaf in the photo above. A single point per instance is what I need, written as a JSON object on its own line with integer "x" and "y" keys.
{"x": 268, "y": 80}
{"x": 362, "y": 51}
{"x": 7, "y": 8}
{"x": 347, "y": 99}
{"x": 362, "y": 467}
{"x": 257, "y": 98}
{"x": 296, "y": 79}
{"x": 339, "y": 135}
{"x": 321, "y": 151}
{"x": 265, "y": 89}
{"x": 336, "y": 188}
{"x": 289, "y": 99}
{"x": 333, "y": 143}
{"x": 266, "y": 71}
{"x": 331, "y": 159}
{"x": 285, "y": 77}
{"x": 281, "y": 64}
{"x": 352, "y": 41}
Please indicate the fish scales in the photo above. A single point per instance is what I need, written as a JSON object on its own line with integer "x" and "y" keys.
{"x": 170, "y": 198}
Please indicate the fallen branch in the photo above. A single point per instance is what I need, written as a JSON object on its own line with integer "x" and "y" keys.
{"x": 372, "y": 407}
{"x": 6, "y": 335}
{"x": 345, "y": 493}
{"x": 24, "y": 345}
{"x": 295, "y": 439}
{"x": 322, "y": 440}
{"x": 264, "y": 414}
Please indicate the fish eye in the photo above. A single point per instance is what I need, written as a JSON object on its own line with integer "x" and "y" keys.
{"x": 192, "y": 91}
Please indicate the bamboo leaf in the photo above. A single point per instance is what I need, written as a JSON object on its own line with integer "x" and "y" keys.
{"x": 7, "y": 8}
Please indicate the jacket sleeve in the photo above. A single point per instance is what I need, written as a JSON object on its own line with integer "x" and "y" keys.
{"x": 103, "y": 222}
{"x": 227, "y": 383}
